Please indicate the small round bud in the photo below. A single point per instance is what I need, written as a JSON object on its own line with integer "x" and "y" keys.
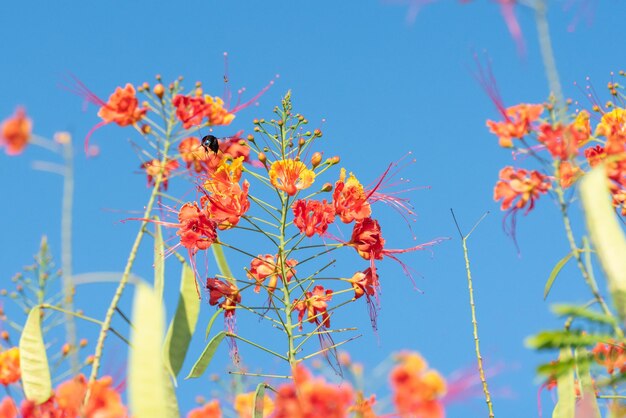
{"x": 146, "y": 86}
{"x": 4, "y": 335}
{"x": 335, "y": 160}
{"x": 199, "y": 92}
{"x": 250, "y": 137}
{"x": 89, "y": 360}
{"x": 19, "y": 287}
{"x": 257, "y": 129}
{"x": 255, "y": 121}
{"x": 171, "y": 86}
{"x": 327, "y": 187}
{"x": 280, "y": 123}
{"x": 317, "y": 133}
{"x": 159, "y": 90}
{"x": 200, "y": 400}
{"x": 198, "y": 84}
{"x": 262, "y": 158}
{"x": 316, "y": 159}
{"x": 83, "y": 342}
{"x": 146, "y": 129}
{"x": 301, "y": 142}
{"x": 62, "y": 137}
{"x": 65, "y": 350}
{"x": 4, "y": 292}
{"x": 158, "y": 77}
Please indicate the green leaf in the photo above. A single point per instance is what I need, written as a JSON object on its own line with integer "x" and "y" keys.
{"x": 222, "y": 264}
{"x": 184, "y": 322}
{"x": 555, "y": 272}
{"x": 34, "y": 361}
{"x": 150, "y": 392}
{"x": 563, "y": 338}
{"x": 211, "y": 321}
{"x": 159, "y": 262}
{"x": 583, "y": 313}
{"x": 207, "y": 355}
{"x": 588, "y": 400}
{"x": 259, "y": 398}
{"x": 565, "y": 407}
{"x": 606, "y": 234}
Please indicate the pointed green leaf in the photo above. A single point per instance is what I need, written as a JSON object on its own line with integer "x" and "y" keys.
{"x": 564, "y": 338}
{"x": 211, "y": 321}
{"x": 555, "y": 272}
{"x": 159, "y": 262}
{"x": 606, "y": 234}
{"x": 259, "y": 398}
{"x": 34, "y": 361}
{"x": 184, "y": 322}
{"x": 222, "y": 264}
{"x": 150, "y": 392}
{"x": 588, "y": 400}
{"x": 565, "y": 407}
{"x": 207, "y": 355}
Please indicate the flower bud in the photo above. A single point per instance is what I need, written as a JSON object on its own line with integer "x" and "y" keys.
{"x": 262, "y": 158}
{"x": 317, "y": 133}
{"x": 199, "y": 92}
{"x": 316, "y": 159}
{"x": 335, "y": 160}
{"x": 159, "y": 90}
{"x": 4, "y": 335}
{"x": 327, "y": 187}
{"x": 250, "y": 137}
{"x": 65, "y": 350}
{"x": 146, "y": 129}
{"x": 89, "y": 360}
{"x": 62, "y": 137}
{"x": 83, "y": 342}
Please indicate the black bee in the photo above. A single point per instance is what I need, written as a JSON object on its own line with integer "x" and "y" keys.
{"x": 210, "y": 142}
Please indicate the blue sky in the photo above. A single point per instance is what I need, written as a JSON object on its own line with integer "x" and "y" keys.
{"x": 383, "y": 86}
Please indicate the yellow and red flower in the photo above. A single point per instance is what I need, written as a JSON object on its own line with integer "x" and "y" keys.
{"x": 350, "y": 200}
{"x": 245, "y": 402}
{"x": 367, "y": 239}
{"x": 190, "y": 110}
{"x": 267, "y": 265}
{"x": 209, "y": 410}
{"x": 219, "y": 289}
{"x": 10, "y": 366}
{"x": 291, "y": 176}
{"x": 611, "y": 355}
{"x": 315, "y": 306}
{"x": 15, "y": 132}
{"x": 122, "y": 107}
{"x": 154, "y": 167}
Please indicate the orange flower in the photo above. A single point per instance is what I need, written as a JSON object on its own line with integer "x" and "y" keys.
{"x": 209, "y": 410}
{"x": 244, "y": 404}
{"x": 313, "y": 217}
{"x": 8, "y": 408}
{"x": 104, "y": 401}
{"x": 417, "y": 390}
{"x": 218, "y": 290}
{"x": 225, "y": 177}
{"x": 613, "y": 126}
{"x": 153, "y": 168}
{"x": 367, "y": 239}
{"x": 561, "y": 142}
{"x": 568, "y": 174}
{"x": 15, "y": 132}
{"x": 291, "y": 176}
{"x": 226, "y": 201}
{"x": 514, "y": 184}
{"x": 122, "y": 107}
{"x": 312, "y": 398}
{"x": 192, "y": 153}
{"x": 364, "y": 283}
{"x": 196, "y": 229}
{"x": 595, "y": 155}
{"x": 517, "y": 123}
{"x": 350, "y": 200}
{"x": 611, "y": 355}
{"x": 10, "y": 366}
{"x": 314, "y": 305}
{"x": 364, "y": 408}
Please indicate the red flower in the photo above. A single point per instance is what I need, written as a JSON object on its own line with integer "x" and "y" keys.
{"x": 367, "y": 239}
{"x": 218, "y": 290}
{"x": 190, "y": 110}
{"x": 15, "y": 132}
{"x": 265, "y": 266}
{"x": 561, "y": 142}
{"x": 611, "y": 355}
{"x": 313, "y": 217}
{"x": 153, "y": 168}
{"x": 314, "y": 305}
{"x": 10, "y": 366}
{"x": 521, "y": 185}
{"x": 209, "y": 410}
{"x": 195, "y": 228}
{"x": 364, "y": 283}
{"x": 225, "y": 199}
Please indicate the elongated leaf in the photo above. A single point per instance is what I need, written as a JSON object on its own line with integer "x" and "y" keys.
{"x": 183, "y": 324}
{"x": 211, "y": 321}
{"x": 34, "y": 361}
{"x": 564, "y": 338}
{"x": 150, "y": 392}
{"x": 159, "y": 262}
{"x": 588, "y": 405}
{"x": 555, "y": 272}
{"x": 565, "y": 407}
{"x": 606, "y": 234}
{"x": 222, "y": 264}
{"x": 207, "y": 355}
{"x": 259, "y": 401}
{"x": 581, "y": 312}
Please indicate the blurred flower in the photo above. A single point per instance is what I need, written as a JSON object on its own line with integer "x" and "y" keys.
{"x": 312, "y": 398}
{"x": 192, "y": 153}
{"x": 154, "y": 167}
{"x": 15, "y": 132}
{"x": 190, "y": 110}
{"x": 245, "y": 402}
{"x": 568, "y": 173}
{"x": 611, "y": 355}
{"x": 562, "y": 142}
{"x": 291, "y": 176}
{"x": 517, "y": 123}
{"x": 10, "y": 366}
{"x": 8, "y": 408}
{"x": 522, "y": 185}
{"x": 209, "y": 410}
{"x": 122, "y": 107}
